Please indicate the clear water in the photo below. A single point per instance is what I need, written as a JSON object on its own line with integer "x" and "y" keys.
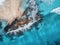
{"x": 48, "y": 32}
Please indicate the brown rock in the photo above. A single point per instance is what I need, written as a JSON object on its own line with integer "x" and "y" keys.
{"x": 10, "y": 11}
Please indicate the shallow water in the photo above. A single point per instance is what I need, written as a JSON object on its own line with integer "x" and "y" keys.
{"x": 48, "y": 32}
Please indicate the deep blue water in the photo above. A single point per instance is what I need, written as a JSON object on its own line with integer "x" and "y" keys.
{"x": 47, "y": 34}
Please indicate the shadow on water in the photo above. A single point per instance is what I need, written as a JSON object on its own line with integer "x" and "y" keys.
{"x": 0, "y": 25}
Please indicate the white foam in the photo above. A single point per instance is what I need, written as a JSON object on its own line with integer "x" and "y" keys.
{"x": 56, "y": 10}
{"x": 33, "y": 15}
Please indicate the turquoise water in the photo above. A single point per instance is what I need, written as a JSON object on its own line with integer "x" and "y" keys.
{"x": 48, "y": 32}
{"x": 46, "y": 8}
